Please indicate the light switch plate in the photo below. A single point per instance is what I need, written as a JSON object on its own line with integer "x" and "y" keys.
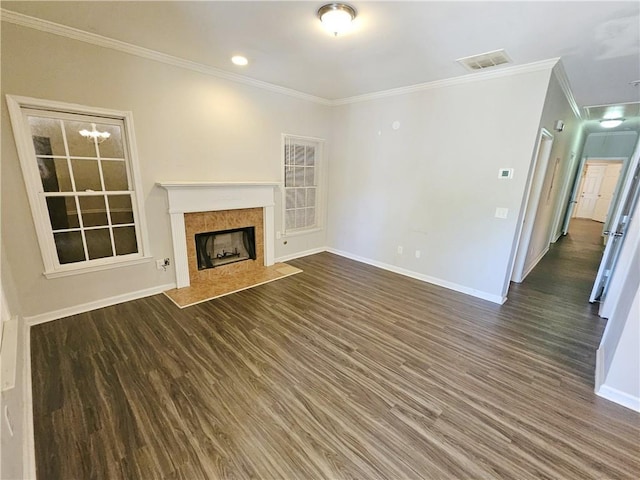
{"x": 501, "y": 212}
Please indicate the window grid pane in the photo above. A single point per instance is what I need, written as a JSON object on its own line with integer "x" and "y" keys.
{"x": 70, "y": 247}
{"x": 300, "y": 178}
{"x": 86, "y": 214}
{"x": 73, "y": 169}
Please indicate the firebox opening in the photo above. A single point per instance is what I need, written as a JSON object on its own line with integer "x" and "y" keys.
{"x": 223, "y": 247}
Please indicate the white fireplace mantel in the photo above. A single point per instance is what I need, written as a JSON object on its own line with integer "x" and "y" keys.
{"x": 189, "y": 197}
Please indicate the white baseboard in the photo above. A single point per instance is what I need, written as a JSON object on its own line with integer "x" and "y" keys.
{"x": 103, "y": 302}
{"x": 313, "y": 251}
{"x": 425, "y": 278}
{"x": 29, "y": 444}
{"x": 621, "y": 398}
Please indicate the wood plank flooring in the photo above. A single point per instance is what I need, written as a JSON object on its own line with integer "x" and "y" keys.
{"x": 342, "y": 371}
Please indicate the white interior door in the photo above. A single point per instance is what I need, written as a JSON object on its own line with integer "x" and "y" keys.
{"x": 619, "y": 223}
{"x": 590, "y": 190}
{"x": 607, "y": 190}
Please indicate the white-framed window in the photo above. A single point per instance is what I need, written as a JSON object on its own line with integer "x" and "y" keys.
{"x": 302, "y": 173}
{"x": 80, "y": 170}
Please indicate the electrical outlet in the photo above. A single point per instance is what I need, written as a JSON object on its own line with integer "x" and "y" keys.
{"x": 418, "y": 253}
{"x": 399, "y": 250}
{"x": 163, "y": 264}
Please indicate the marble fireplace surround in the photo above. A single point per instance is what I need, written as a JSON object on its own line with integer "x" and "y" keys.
{"x": 190, "y": 197}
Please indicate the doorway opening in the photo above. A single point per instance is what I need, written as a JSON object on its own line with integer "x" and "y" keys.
{"x": 598, "y": 191}
{"x": 526, "y": 255}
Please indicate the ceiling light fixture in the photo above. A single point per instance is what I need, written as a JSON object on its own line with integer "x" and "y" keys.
{"x": 240, "y": 60}
{"x": 611, "y": 122}
{"x": 337, "y": 17}
{"x": 94, "y": 134}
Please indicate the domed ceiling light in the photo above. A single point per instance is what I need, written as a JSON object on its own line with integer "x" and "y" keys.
{"x": 337, "y": 17}
{"x": 611, "y": 122}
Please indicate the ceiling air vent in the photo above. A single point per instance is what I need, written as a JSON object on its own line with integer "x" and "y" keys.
{"x": 484, "y": 60}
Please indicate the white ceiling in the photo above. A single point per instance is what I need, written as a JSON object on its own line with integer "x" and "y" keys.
{"x": 393, "y": 44}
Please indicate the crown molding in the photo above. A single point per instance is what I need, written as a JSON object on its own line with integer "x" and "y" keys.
{"x": 106, "y": 42}
{"x": 447, "y": 82}
{"x": 563, "y": 80}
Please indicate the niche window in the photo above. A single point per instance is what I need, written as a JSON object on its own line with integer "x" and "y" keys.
{"x": 79, "y": 170}
{"x": 302, "y": 157}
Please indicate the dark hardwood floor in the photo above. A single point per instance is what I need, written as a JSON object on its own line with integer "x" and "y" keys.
{"x": 342, "y": 371}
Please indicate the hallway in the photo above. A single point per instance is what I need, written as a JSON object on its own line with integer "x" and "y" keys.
{"x": 572, "y": 262}
{"x": 560, "y": 284}
{"x": 569, "y": 268}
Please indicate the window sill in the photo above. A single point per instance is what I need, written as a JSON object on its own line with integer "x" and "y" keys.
{"x": 296, "y": 233}
{"x": 95, "y": 268}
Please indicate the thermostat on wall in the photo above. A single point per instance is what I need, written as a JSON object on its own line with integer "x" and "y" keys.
{"x": 505, "y": 173}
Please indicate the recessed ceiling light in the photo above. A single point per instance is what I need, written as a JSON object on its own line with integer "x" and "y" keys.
{"x": 239, "y": 60}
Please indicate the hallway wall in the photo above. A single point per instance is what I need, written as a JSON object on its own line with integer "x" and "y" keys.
{"x": 557, "y": 175}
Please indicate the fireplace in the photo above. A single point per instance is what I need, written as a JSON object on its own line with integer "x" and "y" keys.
{"x": 205, "y": 207}
{"x": 215, "y": 249}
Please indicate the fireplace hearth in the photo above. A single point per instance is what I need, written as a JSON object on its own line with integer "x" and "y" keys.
{"x": 207, "y": 207}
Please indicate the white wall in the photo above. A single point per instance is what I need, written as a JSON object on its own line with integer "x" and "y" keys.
{"x": 558, "y": 173}
{"x": 189, "y": 126}
{"x": 624, "y": 374}
{"x": 432, "y": 185}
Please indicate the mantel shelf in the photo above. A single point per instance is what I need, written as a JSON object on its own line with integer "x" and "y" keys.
{"x": 188, "y": 184}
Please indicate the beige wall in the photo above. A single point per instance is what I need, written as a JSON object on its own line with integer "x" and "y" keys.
{"x": 432, "y": 184}
{"x": 189, "y": 126}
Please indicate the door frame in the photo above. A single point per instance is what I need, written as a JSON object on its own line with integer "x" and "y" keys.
{"x": 533, "y": 190}
{"x": 628, "y": 198}
{"x": 568, "y": 214}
